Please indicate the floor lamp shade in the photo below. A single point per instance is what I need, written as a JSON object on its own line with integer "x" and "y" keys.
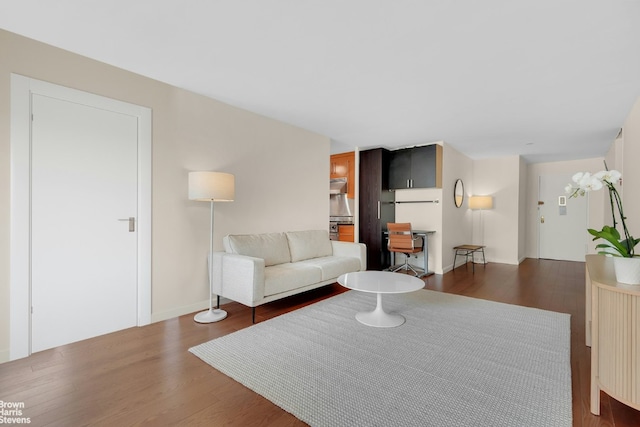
{"x": 211, "y": 186}
{"x": 481, "y": 202}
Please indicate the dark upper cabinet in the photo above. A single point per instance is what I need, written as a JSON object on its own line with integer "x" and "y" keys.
{"x": 418, "y": 167}
{"x": 376, "y": 207}
{"x": 400, "y": 169}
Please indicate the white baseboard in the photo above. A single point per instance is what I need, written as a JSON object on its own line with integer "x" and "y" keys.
{"x": 181, "y": 311}
{"x": 4, "y": 355}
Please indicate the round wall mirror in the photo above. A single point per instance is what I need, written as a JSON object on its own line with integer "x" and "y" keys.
{"x": 458, "y": 193}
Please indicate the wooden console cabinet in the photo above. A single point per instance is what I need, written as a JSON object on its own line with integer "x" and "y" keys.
{"x": 613, "y": 330}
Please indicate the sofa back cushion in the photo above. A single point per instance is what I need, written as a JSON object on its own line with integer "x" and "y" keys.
{"x": 309, "y": 244}
{"x": 272, "y": 247}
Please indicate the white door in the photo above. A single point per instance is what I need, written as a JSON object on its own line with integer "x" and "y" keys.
{"x": 562, "y": 229}
{"x": 84, "y": 190}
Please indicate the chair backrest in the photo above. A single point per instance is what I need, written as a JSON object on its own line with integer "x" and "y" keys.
{"x": 400, "y": 236}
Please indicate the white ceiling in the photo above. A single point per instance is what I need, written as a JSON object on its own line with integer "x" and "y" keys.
{"x": 546, "y": 79}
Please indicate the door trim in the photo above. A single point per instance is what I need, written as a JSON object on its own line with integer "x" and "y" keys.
{"x": 20, "y": 202}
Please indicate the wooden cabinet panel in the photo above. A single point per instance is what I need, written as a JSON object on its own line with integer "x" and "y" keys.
{"x": 375, "y": 206}
{"x": 344, "y": 166}
{"x": 339, "y": 166}
{"x": 345, "y": 233}
{"x": 418, "y": 167}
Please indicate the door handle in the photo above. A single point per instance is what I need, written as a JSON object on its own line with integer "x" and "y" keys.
{"x": 378, "y": 209}
{"x": 542, "y": 219}
{"x": 132, "y": 223}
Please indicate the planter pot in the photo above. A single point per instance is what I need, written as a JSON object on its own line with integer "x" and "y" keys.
{"x": 627, "y": 270}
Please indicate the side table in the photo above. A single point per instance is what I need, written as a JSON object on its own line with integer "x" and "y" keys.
{"x": 467, "y": 251}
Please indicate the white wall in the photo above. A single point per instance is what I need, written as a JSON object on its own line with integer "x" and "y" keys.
{"x": 457, "y": 224}
{"x": 498, "y": 228}
{"x": 522, "y": 212}
{"x": 280, "y": 170}
{"x": 423, "y": 216}
{"x": 614, "y": 160}
{"x": 631, "y": 171}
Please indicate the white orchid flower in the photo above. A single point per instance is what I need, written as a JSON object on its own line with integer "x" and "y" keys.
{"x": 569, "y": 189}
{"x": 612, "y": 176}
{"x": 589, "y": 182}
{"x": 577, "y": 177}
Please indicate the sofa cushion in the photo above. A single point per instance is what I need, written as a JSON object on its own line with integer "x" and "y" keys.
{"x": 285, "y": 277}
{"x": 309, "y": 244}
{"x": 332, "y": 266}
{"x": 272, "y": 247}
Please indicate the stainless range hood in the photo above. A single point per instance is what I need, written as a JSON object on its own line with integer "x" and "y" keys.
{"x": 338, "y": 186}
{"x": 338, "y": 202}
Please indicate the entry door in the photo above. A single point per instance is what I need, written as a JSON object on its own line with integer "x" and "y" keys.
{"x": 83, "y": 245}
{"x": 562, "y": 229}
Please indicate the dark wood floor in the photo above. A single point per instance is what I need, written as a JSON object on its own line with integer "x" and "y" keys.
{"x": 146, "y": 376}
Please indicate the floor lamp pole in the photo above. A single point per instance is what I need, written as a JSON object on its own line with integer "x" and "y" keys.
{"x": 212, "y": 315}
{"x": 481, "y": 230}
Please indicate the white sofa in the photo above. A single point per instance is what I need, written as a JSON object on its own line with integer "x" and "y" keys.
{"x": 259, "y": 268}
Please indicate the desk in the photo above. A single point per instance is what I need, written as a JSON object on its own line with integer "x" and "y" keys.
{"x": 468, "y": 251}
{"x": 425, "y": 251}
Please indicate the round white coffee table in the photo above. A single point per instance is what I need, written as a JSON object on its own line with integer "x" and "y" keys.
{"x": 380, "y": 282}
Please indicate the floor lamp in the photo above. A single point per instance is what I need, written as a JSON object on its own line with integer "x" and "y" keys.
{"x": 211, "y": 187}
{"x": 481, "y": 203}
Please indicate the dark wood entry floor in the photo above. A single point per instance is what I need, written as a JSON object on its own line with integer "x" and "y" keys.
{"x": 145, "y": 376}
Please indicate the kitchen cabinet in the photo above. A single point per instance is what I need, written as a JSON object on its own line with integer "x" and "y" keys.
{"x": 417, "y": 167}
{"x": 345, "y": 233}
{"x": 344, "y": 166}
{"x": 376, "y": 206}
{"x": 613, "y": 332}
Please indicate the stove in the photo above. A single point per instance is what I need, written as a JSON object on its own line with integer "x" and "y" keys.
{"x": 336, "y": 220}
{"x": 339, "y": 219}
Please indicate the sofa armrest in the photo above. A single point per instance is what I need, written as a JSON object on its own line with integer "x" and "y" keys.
{"x": 349, "y": 249}
{"x": 238, "y": 277}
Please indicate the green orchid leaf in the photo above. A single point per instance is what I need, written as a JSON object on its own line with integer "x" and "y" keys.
{"x": 607, "y": 249}
{"x": 612, "y": 236}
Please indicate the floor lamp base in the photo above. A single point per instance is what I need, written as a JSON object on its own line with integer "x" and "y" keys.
{"x": 210, "y": 316}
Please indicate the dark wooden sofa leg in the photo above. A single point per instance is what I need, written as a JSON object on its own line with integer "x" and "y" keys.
{"x": 253, "y": 315}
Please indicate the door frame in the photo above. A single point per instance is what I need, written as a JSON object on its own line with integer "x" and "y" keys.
{"x": 22, "y": 89}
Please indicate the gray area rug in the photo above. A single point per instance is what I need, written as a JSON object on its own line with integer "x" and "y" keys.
{"x": 457, "y": 361}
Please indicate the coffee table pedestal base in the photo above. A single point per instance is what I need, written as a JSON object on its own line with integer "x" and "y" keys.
{"x": 378, "y": 317}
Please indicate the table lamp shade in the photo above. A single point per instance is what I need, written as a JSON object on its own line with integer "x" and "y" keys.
{"x": 211, "y": 186}
{"x": 480, "y": 202}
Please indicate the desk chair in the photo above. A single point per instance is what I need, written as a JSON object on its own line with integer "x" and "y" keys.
{"x": 401, "y": 240}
